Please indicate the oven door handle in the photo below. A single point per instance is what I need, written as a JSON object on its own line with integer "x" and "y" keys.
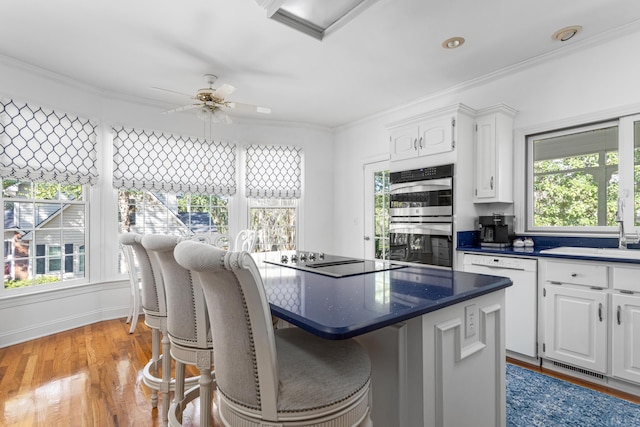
{"x": 422, "y": 186}
{"x": 438, "y": 229}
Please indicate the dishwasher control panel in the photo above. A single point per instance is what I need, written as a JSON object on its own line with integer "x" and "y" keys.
{"x": 500, "y": 262}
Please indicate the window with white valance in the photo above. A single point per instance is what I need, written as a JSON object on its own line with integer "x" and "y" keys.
{"x": 273, "y": 171}
{"x": 153, "y": 161}
{"x": 42, "y": 145}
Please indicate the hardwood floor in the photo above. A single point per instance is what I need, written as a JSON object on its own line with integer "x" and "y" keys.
{"x": 92, "y": 376}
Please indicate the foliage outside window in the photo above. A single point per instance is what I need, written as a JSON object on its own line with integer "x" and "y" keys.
{"x": 381, "y": 214}
{"x": 276, "y": 223}
{"x": 575, "y": 178}
{"x": 39, "y": 220}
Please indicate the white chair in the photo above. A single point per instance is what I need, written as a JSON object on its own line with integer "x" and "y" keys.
{"x": 188, "y": 328}
{"x": 154, "y": 306}
{"x": 245, "y": 241}
{"x": 220, "y": 240}
{"x": 286, "y": 377}
{"x": 134, "y": 303}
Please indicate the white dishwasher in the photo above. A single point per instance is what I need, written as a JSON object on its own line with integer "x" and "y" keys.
{"x": 520, "y": 299}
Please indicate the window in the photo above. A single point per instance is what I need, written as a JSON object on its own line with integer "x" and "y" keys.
{"x": 273, "y": 185}
{"x": 181, "y": 188}
{"x": 179, "y": 214}
{"x": 276, "y": 222}
{"x": 579, "y": 180}
{"x": 47, "y": 162}
{"x": 40, "y": 220}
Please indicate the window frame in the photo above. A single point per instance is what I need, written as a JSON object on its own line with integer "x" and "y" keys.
{"x": 34, "y": 259}
{"x": 625, "y": 172}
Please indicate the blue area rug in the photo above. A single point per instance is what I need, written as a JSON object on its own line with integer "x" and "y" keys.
{"x": 534, "y": 399}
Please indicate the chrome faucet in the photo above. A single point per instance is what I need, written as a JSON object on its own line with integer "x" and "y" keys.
{"x": 623, "y": 239}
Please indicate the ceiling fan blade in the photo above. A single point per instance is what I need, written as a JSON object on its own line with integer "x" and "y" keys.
{"x": 249, "y": 108}
{"x": 172, "y": 91}
{"x": 223, "y": 91}
{"x": 184, "y": 108}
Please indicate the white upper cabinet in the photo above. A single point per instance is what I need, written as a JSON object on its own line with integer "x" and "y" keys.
{"x": 423, "y": 138}
{"x": 494, "y": 155}
{"x": 427, "y": 134}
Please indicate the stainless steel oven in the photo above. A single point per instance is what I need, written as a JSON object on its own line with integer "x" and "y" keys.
{"x": 421, "y": 216}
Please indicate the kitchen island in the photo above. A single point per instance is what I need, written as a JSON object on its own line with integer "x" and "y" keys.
{"x": 435, "y": 336}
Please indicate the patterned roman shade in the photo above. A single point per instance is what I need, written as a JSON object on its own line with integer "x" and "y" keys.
{"x": 43, "y": 145}
{"x": 152, "y": 161}
{"x": 274, "y": 171}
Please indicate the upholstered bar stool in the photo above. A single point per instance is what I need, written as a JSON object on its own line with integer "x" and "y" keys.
{"x": 188, "y": 328}
{"x": 245, "y": 241}
{"x": 134, "y": 303}
{"x": 285, "y": 377}
{"x": 154, "y": 307}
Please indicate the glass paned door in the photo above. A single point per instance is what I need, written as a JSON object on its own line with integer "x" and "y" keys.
{"x": 376, "y": 236}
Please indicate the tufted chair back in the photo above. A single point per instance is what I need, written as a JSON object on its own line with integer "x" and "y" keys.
{"x": 152, "y": 290}
{"x": 187, "y": 321}
{"x": 246, "y": 371}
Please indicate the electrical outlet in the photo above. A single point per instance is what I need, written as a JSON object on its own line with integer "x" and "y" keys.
{"x": 470, "y": 320}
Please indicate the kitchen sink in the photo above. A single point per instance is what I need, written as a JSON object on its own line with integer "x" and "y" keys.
{"x": 594, "y": 252}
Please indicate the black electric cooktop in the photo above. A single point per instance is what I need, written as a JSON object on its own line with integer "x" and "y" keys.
{"x": 331, "y": 265}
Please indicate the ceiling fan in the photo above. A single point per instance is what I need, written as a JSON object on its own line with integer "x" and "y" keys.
{"x": 210, "y": 103}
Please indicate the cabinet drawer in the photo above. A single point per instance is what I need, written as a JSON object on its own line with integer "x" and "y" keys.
{"x": 626, "y": 278}
{"x": 577, "y": 273}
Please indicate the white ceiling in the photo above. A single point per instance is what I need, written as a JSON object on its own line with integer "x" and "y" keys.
{"x": 389, "y": 55}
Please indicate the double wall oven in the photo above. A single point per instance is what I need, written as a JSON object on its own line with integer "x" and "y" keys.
{"x": 421, "y": 216}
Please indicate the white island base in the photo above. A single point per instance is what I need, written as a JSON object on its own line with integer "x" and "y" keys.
{"x": 444, "y": 368}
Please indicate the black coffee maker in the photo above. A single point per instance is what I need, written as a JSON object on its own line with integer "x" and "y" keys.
{"x": 496, "y": 231}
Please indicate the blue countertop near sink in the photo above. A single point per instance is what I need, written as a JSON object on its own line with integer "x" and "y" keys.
{"x": 468, "y": 242}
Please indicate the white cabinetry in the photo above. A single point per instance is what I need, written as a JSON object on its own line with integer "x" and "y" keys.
{"x": 427, "y": 134}
{"x": 494, "y": 155}
{"x": 576, "y": 327}
{"x": 423, "y": 138}
{"x": 625, "y": 341}
{"x": 575, "y": 313}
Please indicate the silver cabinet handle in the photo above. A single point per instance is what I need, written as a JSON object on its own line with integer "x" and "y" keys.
{"x": 491, "y": 183}
{"x": 415, "y": 144}
{"x": 420, "y": 142}
{"x": 574, "y": 274}
{"x": 600, "y": 311}
{"x": 619, "y": 315}
{"x": 367, "y": 238}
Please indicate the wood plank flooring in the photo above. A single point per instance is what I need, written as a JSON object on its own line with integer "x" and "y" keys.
{"x": 92, "y": 376}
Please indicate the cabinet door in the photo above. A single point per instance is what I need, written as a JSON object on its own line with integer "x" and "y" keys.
{"x": 626, "y": 337}
{"x": 436, "y": 136}
{"x": 576, "y": 327}
{"x": 486, "y": 180}
{"x": 404, "y": 142}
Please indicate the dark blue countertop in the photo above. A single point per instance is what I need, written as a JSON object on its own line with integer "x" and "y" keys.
{"x": 467, "y": 242}
{"x": 344, "y": 307}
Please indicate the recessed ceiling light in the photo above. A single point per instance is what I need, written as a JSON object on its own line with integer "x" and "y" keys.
{"x": 566, "y": 33}
{"x": 453, "y": 42}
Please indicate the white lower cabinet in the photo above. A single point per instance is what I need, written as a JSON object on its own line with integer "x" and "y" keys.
{"x": 626, "y": 337}
{"x": 576, "y": 326}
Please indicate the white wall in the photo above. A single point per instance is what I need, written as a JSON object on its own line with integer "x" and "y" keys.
{"x": 43, "y": 313}
{"x": 585, "y": 82}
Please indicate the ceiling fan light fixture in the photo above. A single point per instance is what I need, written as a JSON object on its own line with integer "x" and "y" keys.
{"x": 567, "y": 33}
{"x": 453, "y": 42}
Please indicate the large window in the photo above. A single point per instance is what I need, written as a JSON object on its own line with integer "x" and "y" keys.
{"x": 583, "y": 179}
{"x": 276, "y": 223}
{"x": 47, "y": 162}
{"x": 40, "y": 220}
